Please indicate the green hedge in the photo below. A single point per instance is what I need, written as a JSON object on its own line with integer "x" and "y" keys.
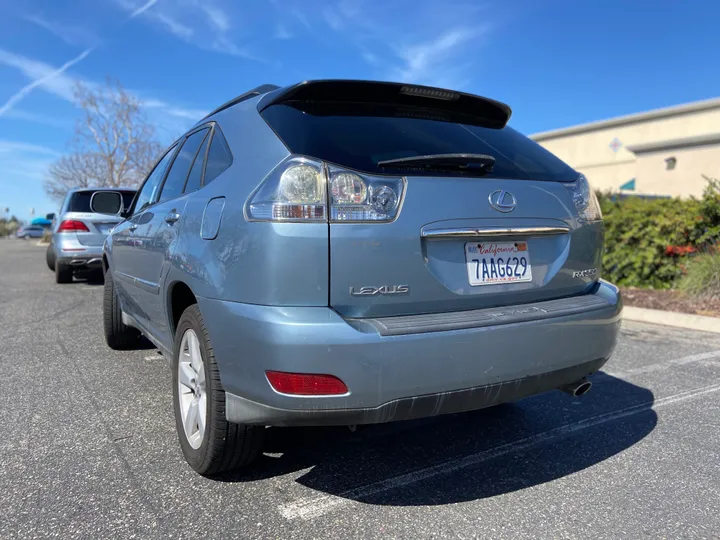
{"x": 648, "y": 241}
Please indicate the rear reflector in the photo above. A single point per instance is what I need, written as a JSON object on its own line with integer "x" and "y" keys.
{"x": 306, "y": 384}
{"x": 72, "y": 225}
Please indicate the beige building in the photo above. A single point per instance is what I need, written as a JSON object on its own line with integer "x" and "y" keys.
{"x": 660, "y": 152}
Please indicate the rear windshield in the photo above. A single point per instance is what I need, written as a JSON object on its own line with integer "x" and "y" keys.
{"x": 360, "y": 142}
{"x": 80, "y": 201}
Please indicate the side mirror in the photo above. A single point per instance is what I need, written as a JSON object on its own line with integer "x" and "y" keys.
{"x": 106, "y": 202}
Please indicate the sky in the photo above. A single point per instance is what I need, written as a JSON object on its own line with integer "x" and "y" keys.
{"x": 555, "y": 62}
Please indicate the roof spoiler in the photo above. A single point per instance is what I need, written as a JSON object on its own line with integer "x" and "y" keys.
{"x": 257, "y": 91}
{"x": 338, "y": 93}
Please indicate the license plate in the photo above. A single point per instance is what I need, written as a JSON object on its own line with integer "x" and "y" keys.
{"x": 497, "y": 262}
{"x": 104, "y": 228}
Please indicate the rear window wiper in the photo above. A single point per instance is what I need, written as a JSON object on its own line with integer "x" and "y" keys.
{"x": 471, "y": 162}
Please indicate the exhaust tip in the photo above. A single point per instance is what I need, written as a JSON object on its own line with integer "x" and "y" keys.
{"x": 582, "y": 388}
{"x": 577, "y": 388}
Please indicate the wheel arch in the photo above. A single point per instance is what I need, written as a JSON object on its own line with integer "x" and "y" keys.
{"x": 179, "y": 297}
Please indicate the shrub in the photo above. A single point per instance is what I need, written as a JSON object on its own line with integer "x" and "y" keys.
{"x": 648, "y": 241}
{"x": 702, "y": 278}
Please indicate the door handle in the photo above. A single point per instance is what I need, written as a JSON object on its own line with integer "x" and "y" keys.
{"x": 172, "y": 217}
{"x": 132, "y": 227}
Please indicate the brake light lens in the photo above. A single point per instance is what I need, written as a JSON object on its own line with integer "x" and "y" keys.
{"x": 306, "y": 384}
{"x": 303, "y": 189}
{"x": 72, "y": 225}
{"x": 584, "y": 199}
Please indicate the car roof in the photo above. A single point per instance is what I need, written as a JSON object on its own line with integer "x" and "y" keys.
{"x": 81, "y": 190}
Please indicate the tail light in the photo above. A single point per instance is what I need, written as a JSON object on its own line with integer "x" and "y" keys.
{"x": 302, "y": 189}
{"x": 585, "y": 200}
{"x": 72, "y": 225}
{"x": 306, "y": 384}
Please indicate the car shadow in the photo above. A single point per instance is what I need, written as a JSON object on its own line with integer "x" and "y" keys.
{"x": 461, "y": 457}
{"x": 90, "y": 277}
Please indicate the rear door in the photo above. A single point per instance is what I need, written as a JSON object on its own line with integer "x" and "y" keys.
{"x": 462, "y": 239}
{"x": 158, "y": 232}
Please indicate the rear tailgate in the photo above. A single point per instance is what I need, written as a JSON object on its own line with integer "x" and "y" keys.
{"x": 463, "y": 239}
{"x": 98, "y": 225}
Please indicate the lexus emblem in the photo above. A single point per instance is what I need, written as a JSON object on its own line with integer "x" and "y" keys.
{"x": 502, "y": 201}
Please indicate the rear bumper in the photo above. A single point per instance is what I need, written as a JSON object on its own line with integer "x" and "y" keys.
{"x": 403, "y": 375}
{"x": 69, "y": 251}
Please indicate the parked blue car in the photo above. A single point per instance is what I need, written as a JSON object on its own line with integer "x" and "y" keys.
{"x": 349, "y": 252}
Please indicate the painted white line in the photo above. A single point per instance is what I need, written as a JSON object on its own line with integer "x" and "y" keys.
{"x": 312, "y": 507}
{"x": 659, "y": 366}
{"x": 154, "y": 357}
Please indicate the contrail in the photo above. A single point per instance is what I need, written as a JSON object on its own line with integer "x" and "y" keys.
{"x": 142, "y": 9}
{"x": 24, "y": 91}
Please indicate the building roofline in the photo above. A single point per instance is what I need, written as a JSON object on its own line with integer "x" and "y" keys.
{"x": 655, "y": 114}
{"x": 672, "y": 144}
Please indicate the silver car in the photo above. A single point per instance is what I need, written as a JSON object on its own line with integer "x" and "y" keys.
{"x": 78, "y": 233}
{"x": 349, "y": 252}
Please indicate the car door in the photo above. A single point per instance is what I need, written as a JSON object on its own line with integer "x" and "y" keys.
{"x": 157, "y": 234}
{"x": 126, "y": 258}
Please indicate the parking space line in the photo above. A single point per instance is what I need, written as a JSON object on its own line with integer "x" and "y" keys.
{"x": 154, "y": 357}
{"x": 659, "y": 366}
{"x": 308, "y": 508}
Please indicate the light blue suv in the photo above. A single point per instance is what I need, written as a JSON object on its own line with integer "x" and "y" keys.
{"x": 349, "y": 252}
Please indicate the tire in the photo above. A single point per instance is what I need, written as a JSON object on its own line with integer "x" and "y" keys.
{"x": 50, "y": 257}
{"x": 223, "y": 446}
{"x": 63, "y": 273}
{"x": 118, "y": 335}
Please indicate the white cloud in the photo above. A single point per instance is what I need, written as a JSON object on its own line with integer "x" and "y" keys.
{"x": 44, "y": 119}
{"x": 202, "y": 23}
{"x": 281, "y": 32}
{"x": 70, "y": 34}
{"x": 42, "y": 75}
{"x": 217, "y": 17}
{"x": 7, "y": 146}
{"x": 423, "y": 61}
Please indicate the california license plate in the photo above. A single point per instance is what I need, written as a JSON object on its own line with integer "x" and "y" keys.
{"x": 497, "y": 262}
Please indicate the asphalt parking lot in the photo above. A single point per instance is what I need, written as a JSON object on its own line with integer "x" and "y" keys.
{"x": 88, "y": 446}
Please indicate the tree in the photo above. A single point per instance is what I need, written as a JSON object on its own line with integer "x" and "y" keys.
{"x": 113, "y": 146}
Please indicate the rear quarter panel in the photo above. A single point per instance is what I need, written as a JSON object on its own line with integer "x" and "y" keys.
{"x": 255, "y": 263}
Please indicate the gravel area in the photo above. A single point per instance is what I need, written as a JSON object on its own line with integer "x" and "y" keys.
{"x": 670, "y": 300}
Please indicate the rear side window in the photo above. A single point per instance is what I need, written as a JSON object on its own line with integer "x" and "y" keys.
{"x": 127, "y": 197}
{"x": 80, "y": 201}
{"x": 219, "y": 157}
{"x": 151, "y": 185}
{"x": 179, "y": 170}
{"x": 361, "y": 141}
{"x": 194, "y": 181}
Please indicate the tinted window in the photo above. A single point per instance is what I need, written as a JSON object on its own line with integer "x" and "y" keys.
{"x": 149, "y": 189}
{"x": 194, "y": 180}
{"x": 175, "y": 181}
{"x": 80, "y": 201}
{"x": 359, "y": 142}
{"x": 219, "y": 157}
{"x": 127, "y": 197}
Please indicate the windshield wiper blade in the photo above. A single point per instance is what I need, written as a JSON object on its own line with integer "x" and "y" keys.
{"x": 462, "y": 162}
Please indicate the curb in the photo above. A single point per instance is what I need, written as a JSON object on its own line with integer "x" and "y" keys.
{"x": 672, "y": 318}
{"x": 42, "y": 244}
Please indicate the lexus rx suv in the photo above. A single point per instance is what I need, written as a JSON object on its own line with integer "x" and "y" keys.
{"x": 349, "y": 252}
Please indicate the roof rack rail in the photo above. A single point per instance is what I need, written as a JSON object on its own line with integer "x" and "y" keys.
{"x": 257, "y": 91}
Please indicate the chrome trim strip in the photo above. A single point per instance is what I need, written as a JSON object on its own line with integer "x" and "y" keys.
{"x": 493, "y": 232}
